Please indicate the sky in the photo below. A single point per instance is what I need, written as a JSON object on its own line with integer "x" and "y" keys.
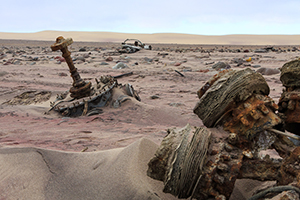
{"x": 201, "y": 17}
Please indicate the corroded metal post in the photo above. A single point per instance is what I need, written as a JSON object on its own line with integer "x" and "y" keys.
{"x": 80, "y": 88}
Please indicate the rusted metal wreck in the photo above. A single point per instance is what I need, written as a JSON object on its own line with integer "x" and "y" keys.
{"x": 289, "y": 106}
{"x": 205, "y": 162}
{"x": 84, "y": 98}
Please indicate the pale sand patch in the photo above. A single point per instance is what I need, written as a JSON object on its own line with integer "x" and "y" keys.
{"x": 32, "y": 173}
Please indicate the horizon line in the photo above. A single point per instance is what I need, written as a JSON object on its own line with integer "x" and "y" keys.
{"x": 243, "y": 34}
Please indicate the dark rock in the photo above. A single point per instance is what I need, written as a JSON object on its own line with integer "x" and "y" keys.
{"x": 6, "y": 63}
{"x": 154, "y": 97}
{"x": 134, "y": 64}
{"x": 260, "y": 51}
{"x": 209, "y": 63}
{"x": 109, "y": 59}
{"x": 3, "y": 73}
{"x": 290, "y": 73}
{"x": 256, "y": 66}
{"x": 221, "y": 65}
{"x": 81, "y": 58}
{"x": 269, "y": 48}
{"x": 17, "y": 62}
{"x": 176, "y": 104}
{"x": 79, "y": 62}
{"x": 268, "y": 71}
{"x": 86, "y": 55}
{"x": 124, "y": 61}
{"x": 2, "y": 56}
{"x": 163, "y": 54}
{"x": 62, "y": 74}
{"x": 82, "y": 49}
{"x": 187, "y": 69}
{"x": 104, "y": 63}
{"x": 238, "y": 60}
{"x": 59, "y": 58}
{"x": 148, "y": 59}
{"x": 120, "y": 65}
{"x": 10, "y": 52}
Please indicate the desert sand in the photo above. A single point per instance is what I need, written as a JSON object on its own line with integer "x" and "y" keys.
{"x": 162, "y": 38}
{"x": 41, "y": 154}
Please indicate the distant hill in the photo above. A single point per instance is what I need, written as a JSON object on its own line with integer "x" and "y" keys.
{"x": 166, "y": 38}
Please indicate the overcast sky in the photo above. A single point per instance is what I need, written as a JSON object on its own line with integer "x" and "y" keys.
{"x": 203, "y": 17}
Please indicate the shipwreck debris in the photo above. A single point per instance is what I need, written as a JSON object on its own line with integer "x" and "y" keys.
{"x": 203, "y": 163}
{"x": 80, "y": 88}
{"x": 122, "y": 75}
{"x": 29, "y": 97}
{"x": 133, "y": 45}
{"x": 238, "y": 101}
{"x": 179, "y": 160}
{"x": 102, "y": 94}
{"x": 179, "y": 73}
{"x": 289, "y": 102}
{"x": 84, "y": 99}
{"x": 277, "y": 190}
{"x": 212, "y": 159}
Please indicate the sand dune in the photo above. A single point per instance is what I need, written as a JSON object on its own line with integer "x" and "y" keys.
{"x": 174, "y": 38}
{"x": 33, "y": 173}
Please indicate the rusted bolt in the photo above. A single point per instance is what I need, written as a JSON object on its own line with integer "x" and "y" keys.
{"x": 284, "y": 105}
{"x": 264, "y": 109}
{"x": 222, "y": 167}
{"x": 254, "y": 114}
{"x": 247, "y": 105}
{"x": 80, "y": 88}
{"x": 66, "y": 112}
{"x": 220, "y": 197}
{"x": 244, "y": 121}
{"x": 233, "y": 138}
{"x": 225, "y": 157}
{"x": 219, "y": 179}
{"x": 248, "y": 154}
{"x": 291, "y": 105}
{"x": 228, "y": 147}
